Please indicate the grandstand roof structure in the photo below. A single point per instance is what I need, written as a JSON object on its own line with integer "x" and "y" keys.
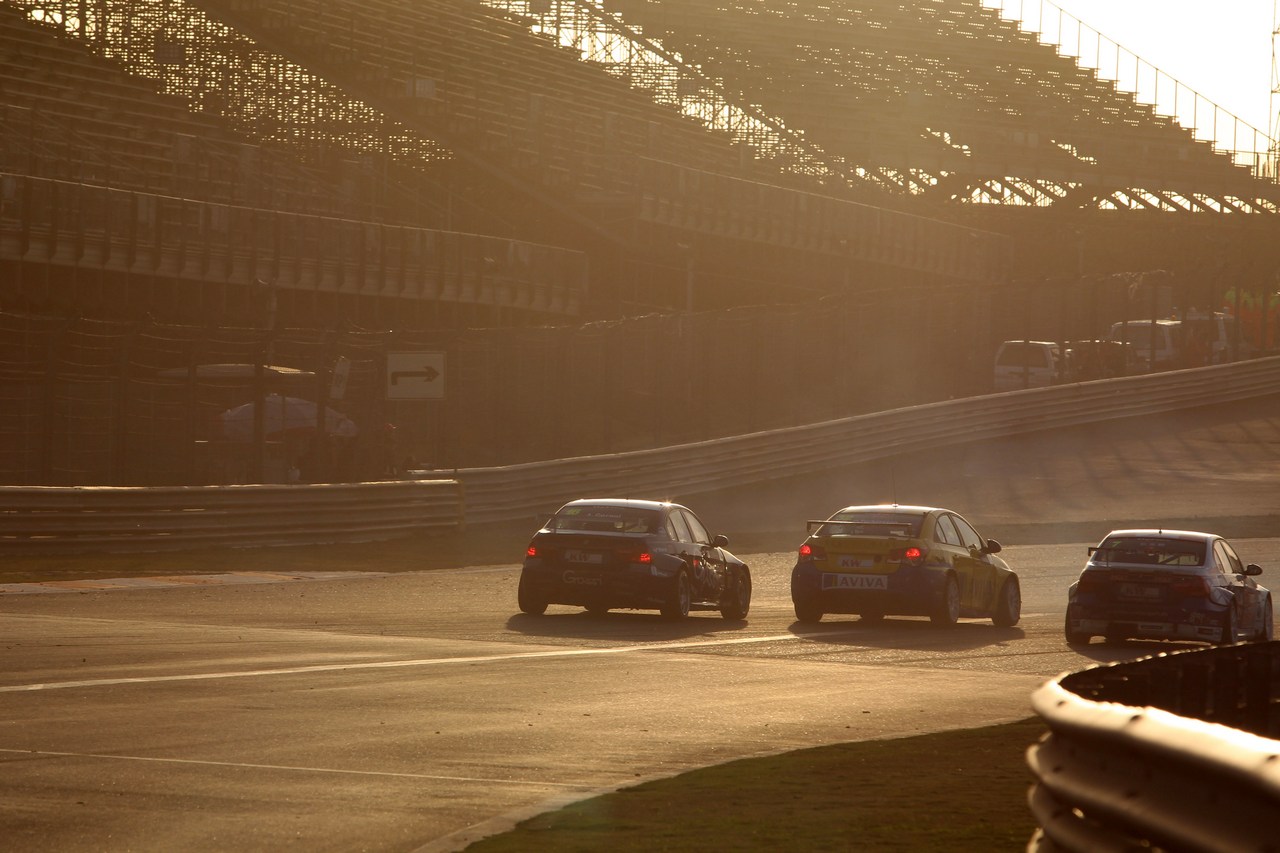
{"x": 700, "y": 153}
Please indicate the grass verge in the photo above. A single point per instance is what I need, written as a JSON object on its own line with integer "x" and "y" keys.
{"x": 955, "y": 791}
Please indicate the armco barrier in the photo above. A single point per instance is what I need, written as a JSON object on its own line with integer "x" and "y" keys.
{"x": 1175, "y": 752}
{"x": 53, "y": 519}
{"x": 93, "y": 518}
{"x": 520, "y": 491}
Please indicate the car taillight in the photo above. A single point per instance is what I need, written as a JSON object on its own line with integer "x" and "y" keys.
{"x": 812, "y": 552}
{"x": 531, "y": 551}
{"x": 1191, "y": 587}
{"x": 912, "y": 555}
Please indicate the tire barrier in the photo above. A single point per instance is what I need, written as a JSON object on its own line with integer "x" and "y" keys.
{"x": 103, "y": 519}
{"x": 1172, "y": 752}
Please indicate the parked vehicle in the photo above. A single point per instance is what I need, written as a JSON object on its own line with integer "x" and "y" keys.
{"x": 1157, "y": 344}
{"x": 632, "y": 554}
{"x": 902, "y": 560}
{"x": 1167, "y": 585}
{"x": 1027, "y": 364}
{"x": 1099, "y": 359}
{"x": 1213, "y": 338}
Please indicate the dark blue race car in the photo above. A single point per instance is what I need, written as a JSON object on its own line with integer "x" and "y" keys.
{"x": 632, "y": 554}
{"x": 1167, "y": 585}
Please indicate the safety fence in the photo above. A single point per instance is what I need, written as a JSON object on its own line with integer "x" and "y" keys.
{"x": 524, "y": 492}
{"x": 1173, "y": 752}
{"x": 521, "y": 491}
{"x": 50, "y": 519}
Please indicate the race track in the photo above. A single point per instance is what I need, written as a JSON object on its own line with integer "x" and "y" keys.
{"x": 410, "y": 712}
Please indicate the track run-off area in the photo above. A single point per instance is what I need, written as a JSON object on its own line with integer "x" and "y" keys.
{"x": 412, "y": 711}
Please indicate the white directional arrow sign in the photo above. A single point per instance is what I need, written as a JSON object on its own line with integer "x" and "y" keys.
{"x": 415, "y": 376}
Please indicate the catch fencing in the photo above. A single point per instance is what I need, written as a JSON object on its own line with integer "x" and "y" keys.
{"x": 521, "y": 491}
{"x": 1173, "y": 752}
{"x": 104, "y": 518}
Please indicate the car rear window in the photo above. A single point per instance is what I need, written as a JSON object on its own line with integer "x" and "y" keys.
{"x": 862, "y": 523}
{"x": 1151, "y": 551}
{"x": 605, "y": 519}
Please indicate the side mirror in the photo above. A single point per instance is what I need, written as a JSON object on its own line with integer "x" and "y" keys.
{"x": 993, "y": 547}
{"x": 720, "y": 541}
{"x": 1253, "y": 569}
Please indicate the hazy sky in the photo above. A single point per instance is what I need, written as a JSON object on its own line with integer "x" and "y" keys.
{"x": 1220, "y": 48}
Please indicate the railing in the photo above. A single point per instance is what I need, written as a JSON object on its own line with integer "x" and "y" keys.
{"x": 80, "y": 225}
{"x": 53, "y": 519}
{"x": 1173, "y": 752}
{"x": 520, "y": 491}
{"x": 140, "y": 518}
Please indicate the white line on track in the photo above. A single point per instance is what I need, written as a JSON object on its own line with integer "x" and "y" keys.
{"x": 397, "y": 664}
{"x": 236, "y": 764}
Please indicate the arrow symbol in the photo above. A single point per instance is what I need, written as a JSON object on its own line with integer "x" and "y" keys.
{"x": 428, "y": 374}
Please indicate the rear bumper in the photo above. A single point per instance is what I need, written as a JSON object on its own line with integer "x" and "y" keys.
{"x": 634, "y": 586}
{"x": 910, "y": 591}
{"x": 1202, "y": 624}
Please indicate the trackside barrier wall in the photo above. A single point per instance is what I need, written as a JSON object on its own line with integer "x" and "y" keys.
{"x": 1172, "y": 752}
{"x": 521, "y": 491}
{"x": 56, "y": 519}
{"x": 51, "y": 518}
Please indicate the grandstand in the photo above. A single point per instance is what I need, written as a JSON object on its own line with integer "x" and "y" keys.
{"x": 423, "y": 167}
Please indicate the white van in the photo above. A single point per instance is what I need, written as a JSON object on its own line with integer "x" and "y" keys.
{"x": 1027, "y": 364}
{"x": 1166, "y": 335}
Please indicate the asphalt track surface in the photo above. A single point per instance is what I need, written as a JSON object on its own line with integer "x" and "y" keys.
{"x": 417, "y": 711}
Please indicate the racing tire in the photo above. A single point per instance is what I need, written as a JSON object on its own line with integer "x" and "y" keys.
{"x": 1228, "y": 636}
{"x": 808, "y": 614}
{"x": 1074, "y": 638}
{"x": 1267, "y": 631}
{"x": 679, "y": 599}
{"x": 597, "y": 609}
{"x": 946, "y": 610}
{"x": 871, "y": 617}
{"x": 530, "y": 602}
{"x": 1009, "y": 605}
{"x": 737, "y": 598}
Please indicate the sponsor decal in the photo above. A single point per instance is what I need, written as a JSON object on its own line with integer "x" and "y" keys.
{"x": 834, "y": 581}
{"x": 581, "y": 580}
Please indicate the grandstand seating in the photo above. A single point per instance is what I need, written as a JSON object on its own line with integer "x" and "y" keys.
{"x": 945, "y": 86}
{"x": 71, "y": 114}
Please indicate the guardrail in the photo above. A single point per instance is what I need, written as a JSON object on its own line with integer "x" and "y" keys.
{"x": 56, "y": 519}
{"x": 115, "y": 518}
{"x": 518, "y": 491}
{"x": 1173, "y": 752}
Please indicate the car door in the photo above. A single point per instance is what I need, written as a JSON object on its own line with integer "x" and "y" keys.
{"x": 709, "y": 554}
{"x": 1244, "y": 588}
{"x": 947, "y": 538}
{"x": 982, "y": 572}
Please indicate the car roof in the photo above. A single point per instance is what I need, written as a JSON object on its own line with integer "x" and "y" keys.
{"x": 632, "y": 503}
{"x": 888, "y": 508}
{"x": 1160, "y": 533}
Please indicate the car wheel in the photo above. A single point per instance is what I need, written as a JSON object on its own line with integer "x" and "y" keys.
{"x": 946, "y": 610}
{"x": 597, "y": 609}
{"x": 1268, "y": 628}
{"x": 530, "y": 602}
{"x": 679, "y": 599}
{"x": 1009, "y": 606}
{"x": 1228, "y": 627}
{"x": 1074, "y": 638}
{"x": 809, "y": 614}
{"x": 737, "y": 598}
{"x": 872, "y": 617}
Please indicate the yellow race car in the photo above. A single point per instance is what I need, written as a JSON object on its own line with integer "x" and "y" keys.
{"x": 885, "y": 560}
